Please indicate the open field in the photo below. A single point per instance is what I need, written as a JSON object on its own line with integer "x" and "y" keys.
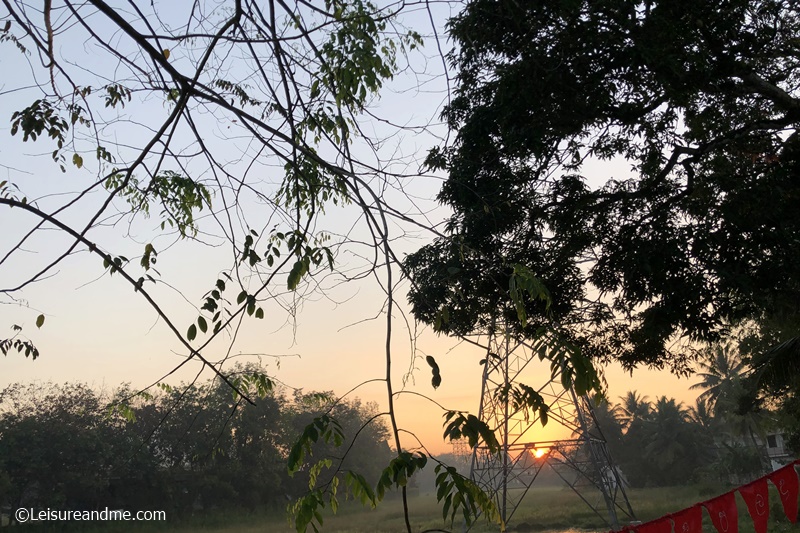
{"x": 544, "y": 510}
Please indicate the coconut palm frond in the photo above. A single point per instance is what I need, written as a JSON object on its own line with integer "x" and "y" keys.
{"x": 779, "y": 366}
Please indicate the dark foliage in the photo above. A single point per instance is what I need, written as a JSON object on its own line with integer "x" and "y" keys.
{"x": 696, "y": 106}
{"x": 184, "y": 450}
{"x": 664, "y": 444}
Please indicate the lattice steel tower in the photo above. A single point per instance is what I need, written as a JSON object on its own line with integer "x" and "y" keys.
{"x": 582, "y": 461}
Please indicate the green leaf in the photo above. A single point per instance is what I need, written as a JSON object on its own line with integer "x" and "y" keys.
{"x": 39, "y": 321}
{"x": 436, "y": 378}
{"x": 295, "y": 458}
{"x": 296, "y": 274}
{"x": 259, "y": 313}
{"x": 77, "y": 160}
{"x": 457, "y": 491}
{"x": 470, "y": 427}
{"x": 192, "y": 333}
{"x": 202, "y": 323}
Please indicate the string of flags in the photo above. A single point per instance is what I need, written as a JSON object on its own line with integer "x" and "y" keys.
{"x": 722, "y": 509}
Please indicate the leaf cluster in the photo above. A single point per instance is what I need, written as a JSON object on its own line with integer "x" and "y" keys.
{"x": 475, "y": 430}
{"x": 457, "y": 491}
{"x": 699, "y": 101}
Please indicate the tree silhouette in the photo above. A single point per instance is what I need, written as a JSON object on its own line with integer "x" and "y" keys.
{"x": 721, "y": 373}
{"x": 633, "y": 409}
{"x": 696, "y": 109}
{"x": 671, "y": 443}
{"x": 723, "y": 388}
{"x": 701, "y": 414}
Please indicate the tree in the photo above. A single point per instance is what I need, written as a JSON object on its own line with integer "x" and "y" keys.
{"x": 724, "y": 390}
{"x": 701, "y": 414}
{"x": 606, "y": 425}
{"x": 365, "y": 438}
{"x": 673, "y": 446}
{"x": 233, "y": 124}
{"x": 257, "y": 446}
{"x": 57, "y": 447}
{"x": 180, "y": 448}
{"x": 774, "y": 382}
{"x": 721, "y": 373}
{"x": 696, "y": 105}
{"x": 634, "y": 412}
{"x": 205, "y": 446}
{"x": 634, "y": 409}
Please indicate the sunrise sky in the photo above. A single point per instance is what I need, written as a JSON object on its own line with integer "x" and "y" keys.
{"x": 102, "y": 334}
{"x": 97, "y": 330}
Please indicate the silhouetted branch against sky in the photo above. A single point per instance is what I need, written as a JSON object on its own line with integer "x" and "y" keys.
{"x": 239, "y": 149}
{"x": 239, "y": 177}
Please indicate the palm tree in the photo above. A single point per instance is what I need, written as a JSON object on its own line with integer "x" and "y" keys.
{"x": 634, "y": 408}
{"x": 701, "y": 414}
{"x": 605, "y": 421}
{"x": 721, "y": 376}
{"x": 668, "y": 421}
{"x": 672, "y": 448}
{"x": 604, "y": 412}
{"x": 723, "y": 387}
{"x": 705, "y": 427}
{"x": 633, "y": 413}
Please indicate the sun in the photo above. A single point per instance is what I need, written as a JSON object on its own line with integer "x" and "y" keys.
{"x": 539, "y": 452}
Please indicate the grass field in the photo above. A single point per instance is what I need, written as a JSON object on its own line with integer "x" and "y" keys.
{"x": 544, "y": 510}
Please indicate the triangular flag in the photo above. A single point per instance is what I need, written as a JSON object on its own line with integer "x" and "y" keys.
{"x": 785, "y": 479}
{"x": 662, "y": 525}
{"x": 723, "y": 513}
{"x": 756, "y": 496}
{"x": 689, "y": 520}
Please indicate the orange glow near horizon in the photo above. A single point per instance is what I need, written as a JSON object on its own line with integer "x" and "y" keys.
{"x": 538, "y": 453}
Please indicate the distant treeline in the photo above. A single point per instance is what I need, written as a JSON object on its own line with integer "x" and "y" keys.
{"x": 181, "y": 449}
{"x": 664, "y": 443}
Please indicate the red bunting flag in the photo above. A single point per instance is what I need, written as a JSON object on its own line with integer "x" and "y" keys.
{"x": 756, "y": 496}
{"x": 689, "y": 520}
{"x": 723, "y": 513}
{"x": 662, "y": 525}
{"x": 785, "y": 479}
{"x": 722, "y": 509}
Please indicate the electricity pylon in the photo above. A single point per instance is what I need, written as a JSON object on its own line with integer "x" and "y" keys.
{"x": 582, "y": 461}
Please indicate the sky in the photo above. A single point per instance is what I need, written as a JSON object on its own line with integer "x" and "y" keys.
{"x": 98, "y": 331}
